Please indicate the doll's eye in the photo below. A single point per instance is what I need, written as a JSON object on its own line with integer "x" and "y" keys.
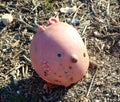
{"x": 59, "y": 55}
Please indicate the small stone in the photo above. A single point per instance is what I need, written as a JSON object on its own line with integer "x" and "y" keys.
{"x": 6, "y": 19}
{"x": 68, "y": 9}
{"x": 75, "y": 22}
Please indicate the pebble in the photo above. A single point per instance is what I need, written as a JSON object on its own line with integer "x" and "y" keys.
{"x": 68, "y": 9}
{"x": 6, "y": 18}
{"x": 75, "y": 22}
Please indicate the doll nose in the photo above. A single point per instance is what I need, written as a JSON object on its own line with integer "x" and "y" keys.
{"x": 74, "y": 59}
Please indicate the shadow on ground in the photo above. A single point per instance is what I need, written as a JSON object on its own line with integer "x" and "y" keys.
{"x": 33, "y": 89}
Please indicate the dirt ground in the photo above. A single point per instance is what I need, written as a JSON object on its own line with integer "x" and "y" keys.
{"x": 99, "y": 26}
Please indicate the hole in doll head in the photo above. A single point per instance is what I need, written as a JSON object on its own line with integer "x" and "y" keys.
{"x": 59, "y": 55}
{"x": 84, "y": 54}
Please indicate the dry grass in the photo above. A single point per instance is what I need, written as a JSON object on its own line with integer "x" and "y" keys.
{"x": 99, "y": 25}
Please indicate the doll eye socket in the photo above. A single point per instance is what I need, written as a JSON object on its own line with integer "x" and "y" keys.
{"x": 59, "y": 55}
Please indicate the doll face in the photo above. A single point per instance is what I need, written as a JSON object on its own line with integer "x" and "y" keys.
{"x": 58, "y": 53}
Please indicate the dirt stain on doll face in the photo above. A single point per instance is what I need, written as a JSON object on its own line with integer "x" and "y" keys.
{"x": 71, "y": 79}
{"x": 46, "y": 72}
{"x": 70, "y": 67}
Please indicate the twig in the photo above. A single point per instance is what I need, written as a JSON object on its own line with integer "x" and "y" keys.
{"x": 20, "y": 19}
{"x": 26, "y": 70}
{"x": 18, "y": 54}
{"x": 6, "y": 8}
{"x": 4, "y": 29}
{"x": 93, "y": 10}
{"x": 36, "y": 16}
{"x": 91, "y": 84}
{"x": 105, "y": 36}
{"x": 27, "y": 59}
{"x": 23, "y": 71}
{"x": 84, "y": 30}
{"x": 108, "y": 7}
{"x": 35, "y": 7}
{"x": 2, "y": 75}
{"x": 13, "y": 69}
{"x": 76, "y": 12}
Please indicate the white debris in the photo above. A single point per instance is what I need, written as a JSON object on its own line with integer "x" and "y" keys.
{"x": 68, "y": 9}
{"x": 6, "y": 19}
{"x": 96, "y": 100}
{"x": 31, "y": 37}
{"x": 18, "y": 92}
